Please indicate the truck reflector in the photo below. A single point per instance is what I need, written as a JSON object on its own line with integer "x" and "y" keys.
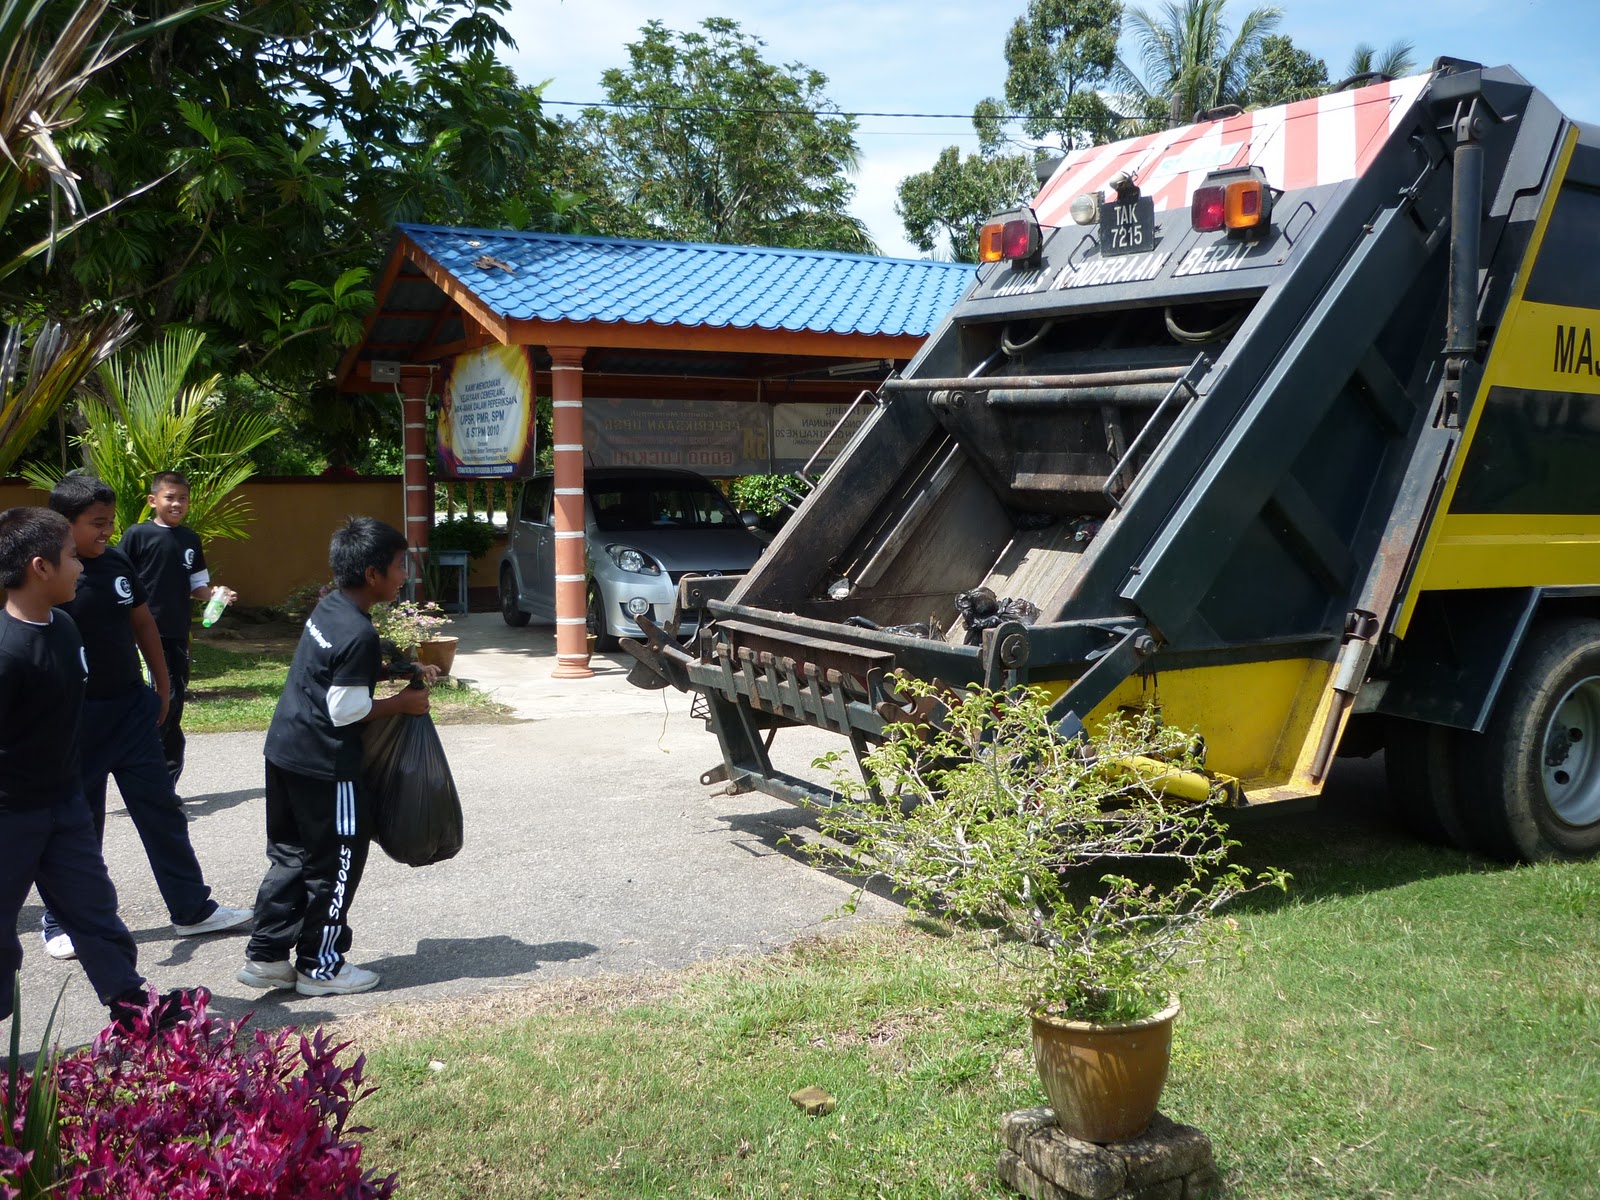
{"x": 989, "y": 240}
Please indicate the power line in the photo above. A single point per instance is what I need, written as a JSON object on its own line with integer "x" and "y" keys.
{"x": 784, "y": 112}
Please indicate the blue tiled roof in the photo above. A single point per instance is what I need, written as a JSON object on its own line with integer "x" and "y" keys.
{"x": 559, "y": 277}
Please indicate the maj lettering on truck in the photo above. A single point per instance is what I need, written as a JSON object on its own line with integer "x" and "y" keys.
{"x": 1261, "y": 417}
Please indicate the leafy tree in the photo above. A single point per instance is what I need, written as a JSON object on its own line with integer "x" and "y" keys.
{"x": 710, "y": 142}
{"x": 1397, "y": 59}
{"x": 1279, "y": 72}
{"x": 44, "y": 70}
{"x": 944, "y": 207}
{"x": 149, "y": 420}
{"x": 1189, "y": 58}
{"x": 1059, "y": 55}
{"x": 286, "y": 138}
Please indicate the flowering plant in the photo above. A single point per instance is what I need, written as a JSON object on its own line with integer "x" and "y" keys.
{"x": 407, "y": 624}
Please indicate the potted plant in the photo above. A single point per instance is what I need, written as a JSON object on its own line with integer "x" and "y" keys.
{"x": 412, "y": 629}
{"x": 1095, "y": 868}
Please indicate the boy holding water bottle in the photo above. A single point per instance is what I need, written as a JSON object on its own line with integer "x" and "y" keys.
{"x": 171, "y": 564}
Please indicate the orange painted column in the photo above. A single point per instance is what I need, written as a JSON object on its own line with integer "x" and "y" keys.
{"x": 572, "y": 599}
{"x": 414, "y": 391}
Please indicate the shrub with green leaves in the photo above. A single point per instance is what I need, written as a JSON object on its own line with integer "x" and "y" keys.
{"x": 152, "y": 418}
{"x": 765, "y": 495}
{"x": 1088, "y": 875}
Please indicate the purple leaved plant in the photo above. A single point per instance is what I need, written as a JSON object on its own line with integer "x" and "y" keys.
{"x": 200, "y": 1109}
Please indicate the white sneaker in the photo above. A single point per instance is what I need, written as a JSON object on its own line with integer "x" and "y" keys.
{"x": 266, "y": 974}
{"x": 222, "y": 918}
{"x": 349, "y": 980}
{"x": 58, "y": 945}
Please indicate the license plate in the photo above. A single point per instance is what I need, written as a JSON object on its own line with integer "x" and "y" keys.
{"x": 1128, "y": 227}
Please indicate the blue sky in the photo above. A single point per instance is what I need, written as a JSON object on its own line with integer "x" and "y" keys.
{"x": 940, "y": 56}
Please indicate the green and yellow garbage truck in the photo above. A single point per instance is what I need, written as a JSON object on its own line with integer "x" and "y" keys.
{"x": 1286, "y": 420}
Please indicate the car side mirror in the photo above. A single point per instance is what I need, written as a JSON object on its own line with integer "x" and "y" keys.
{"x": 752, "y": 521}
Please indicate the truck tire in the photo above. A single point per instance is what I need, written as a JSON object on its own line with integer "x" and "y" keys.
{"x": 513, "y": 615}
{"x": 1418, "y": 759}
{"x": 1532, "y": 779}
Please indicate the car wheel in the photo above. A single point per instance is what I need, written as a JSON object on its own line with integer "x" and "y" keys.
{"x": 513, "y": 615}
{"x": 1531, "y": 783}
{"x": 603, "y": 640}
{"x": 1418, "y": 759}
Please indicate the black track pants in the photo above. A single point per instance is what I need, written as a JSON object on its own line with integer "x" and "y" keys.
{"x": 58, "y": 849}
{"x": 176, "y": 652}
{"x": 318, "y": 831}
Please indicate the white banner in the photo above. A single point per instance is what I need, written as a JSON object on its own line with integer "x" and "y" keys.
{"x": 798, "y": 429}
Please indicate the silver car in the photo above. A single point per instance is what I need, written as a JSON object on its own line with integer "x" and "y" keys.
{"x": 644, "y": 529}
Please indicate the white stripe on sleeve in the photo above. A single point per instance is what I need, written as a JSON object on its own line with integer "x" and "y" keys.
{"x": 199, "y": 579}
{"x": 347, "y": 705}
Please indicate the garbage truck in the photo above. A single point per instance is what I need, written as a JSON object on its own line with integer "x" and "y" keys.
{"x": 1285, "y": 421}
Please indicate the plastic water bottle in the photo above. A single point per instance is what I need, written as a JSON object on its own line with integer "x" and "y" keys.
{"x": 214, "y": 607}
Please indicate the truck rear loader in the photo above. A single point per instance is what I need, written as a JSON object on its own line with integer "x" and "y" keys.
{"x": 1286, "y": 421}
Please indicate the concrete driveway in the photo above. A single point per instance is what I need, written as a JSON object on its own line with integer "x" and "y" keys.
{"x": 591, "y": 848}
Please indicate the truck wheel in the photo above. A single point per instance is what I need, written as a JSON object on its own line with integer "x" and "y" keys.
{"x": 1418, "y": 760}
{"x": 603, "y": 641}
{"x": 513, "y": 615}
{"x": 1534, "y": 776}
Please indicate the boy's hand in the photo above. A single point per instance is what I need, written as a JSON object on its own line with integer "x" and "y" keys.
{"x": 232, "y": 596}
{"x": 166, "y": 703}
{"x": 413, "y": 700}
{"x": 430, "y": 673}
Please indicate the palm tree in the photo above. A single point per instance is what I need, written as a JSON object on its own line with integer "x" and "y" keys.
{"x": 151, "y": 419}
{"x": 1395, "y": 61}
{"x": 1189, "y": 60}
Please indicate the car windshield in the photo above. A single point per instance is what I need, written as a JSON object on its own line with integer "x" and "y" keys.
{"x": 622, "y": 506}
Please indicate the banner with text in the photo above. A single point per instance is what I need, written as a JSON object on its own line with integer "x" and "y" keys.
{"x": 798, "y": 429}
{"x": 712, "y": 437}
{"x": 486, "y": 416}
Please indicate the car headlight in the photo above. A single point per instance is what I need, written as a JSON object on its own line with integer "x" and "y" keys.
{"x": 637, "y": 561}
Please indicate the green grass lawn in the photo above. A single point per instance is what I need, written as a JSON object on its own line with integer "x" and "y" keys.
{"x": 232, "y": 690}
{"x": 1407, "y": 1022}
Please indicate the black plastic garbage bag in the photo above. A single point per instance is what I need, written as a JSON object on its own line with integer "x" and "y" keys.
{"x": 416, "y": 811}
{"x": 981, "y": 609}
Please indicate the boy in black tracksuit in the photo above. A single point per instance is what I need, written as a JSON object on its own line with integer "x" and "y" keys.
{"x": 47, "y": 837}
{"x": 122, "y": 717}
{"x": 319, "y": 820}
{"x": 172, "y": 565}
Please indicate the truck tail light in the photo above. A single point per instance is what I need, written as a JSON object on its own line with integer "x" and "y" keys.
{"x": 1013, "y": 237}
{"x": 1238, "y": 200}
{"x": 989, "y": 243}
{"x": 1246, "y": 205}
{"x": 1206, "y": 211}
{"x": 1019, "y": 238}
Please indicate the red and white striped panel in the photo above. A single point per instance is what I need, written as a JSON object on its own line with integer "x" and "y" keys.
{"x": 1326, "y": 139}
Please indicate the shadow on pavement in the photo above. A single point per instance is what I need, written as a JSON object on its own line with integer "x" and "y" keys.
{"x": 215, "y": 802}
{"x": 438, "y": 960}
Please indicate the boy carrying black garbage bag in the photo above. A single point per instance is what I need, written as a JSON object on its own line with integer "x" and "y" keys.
{"x": 319, "y": 816}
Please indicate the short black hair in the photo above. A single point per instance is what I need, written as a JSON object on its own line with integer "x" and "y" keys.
{"x": 173, "y": 477}
{"x": 363, "y": 542}
{"x": 76, "y": 494}
{"x": 27, "y": 534}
